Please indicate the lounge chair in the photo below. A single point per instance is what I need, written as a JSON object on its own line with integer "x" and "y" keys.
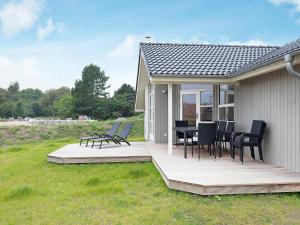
{"x": 117, "y": 138}
{"x": 109, "y": 133}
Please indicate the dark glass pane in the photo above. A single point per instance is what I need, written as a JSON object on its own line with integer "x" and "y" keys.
{"x": 226, "y": 113}
{"x": 206, "y": 98}
{"x": 222, "y": 114}
{"x": 189, "y": 108}
{"x": 230, "y": 113}
{"x": 206, "y": 113}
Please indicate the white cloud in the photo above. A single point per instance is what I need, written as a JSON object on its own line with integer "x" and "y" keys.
{"x": 121, "y": 62}
{"x": 126, "y": 49}
{"x": 18, "y": 70}
{"x": 294, "y": 3}
{"x": 257, "y": 42}
{"x": 50, "y": 27}
{"x": 19, "y": 16}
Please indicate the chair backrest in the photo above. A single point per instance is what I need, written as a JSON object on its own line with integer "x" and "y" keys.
{"x": 181, "y": 123}
{"x": 217, "y": 122}
{"x": 222, "y": 126}
{"x": 221, "y": 129}
{"x": 114, "y": 128}
{"x": 126, "y": 130}
{"x": 258, "y": 127}
{"x": 207, "y": 133}
{"x": 229, "y": 130}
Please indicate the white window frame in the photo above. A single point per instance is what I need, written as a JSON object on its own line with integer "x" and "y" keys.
{"x": 225, "y": 105}
{"x": 196, "y": 92}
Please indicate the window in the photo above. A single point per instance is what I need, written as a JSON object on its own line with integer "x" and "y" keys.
{"x": 196, "y": 102}
{"x": 226, "y": 103}
{"x": 206, "y": 105}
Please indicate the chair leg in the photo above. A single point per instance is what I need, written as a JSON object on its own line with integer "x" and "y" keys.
{"x": 192, "y": 151}
{"x": 80, "y": 142}
{"x": 214, "y": 149}
{"x": 252, "y": 152}
{"x": 100, "y": 145}
{"x": 215, "y": 154}
{"x": 260, "y": 152}
{"x": 87, "y": 143}
{"x": 198, "y": 150}
{"x": 242, "y": 154}
{"x": 93, "y": 144}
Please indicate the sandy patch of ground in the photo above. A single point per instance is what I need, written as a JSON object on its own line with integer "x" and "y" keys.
{"x": 15, "y": 123}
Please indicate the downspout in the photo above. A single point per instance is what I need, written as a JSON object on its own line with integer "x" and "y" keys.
{"x": 289, "y": 65}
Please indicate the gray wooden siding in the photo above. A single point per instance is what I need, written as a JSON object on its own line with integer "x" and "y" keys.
{"x": 161, "y": 114}
{"x": 215, "y": 102}
{"x": 176, "y": 105}
{"x": 275, "y": 98}
{"x": 161, "y": 111}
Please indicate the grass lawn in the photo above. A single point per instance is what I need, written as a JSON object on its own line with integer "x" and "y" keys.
{"x": 33, "y": 191}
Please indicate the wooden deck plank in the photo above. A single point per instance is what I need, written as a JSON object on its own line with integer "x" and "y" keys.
{"x": 205, "y": 176}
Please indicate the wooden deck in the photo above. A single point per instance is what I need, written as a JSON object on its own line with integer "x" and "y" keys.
{"x": 74, "y": 153}
{"x": 205, "y": 176}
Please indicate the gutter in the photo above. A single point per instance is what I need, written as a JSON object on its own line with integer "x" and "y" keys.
{"x": 289, "y": 65}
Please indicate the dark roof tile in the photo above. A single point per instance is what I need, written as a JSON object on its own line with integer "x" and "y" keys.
{"x": 169, "y": 59}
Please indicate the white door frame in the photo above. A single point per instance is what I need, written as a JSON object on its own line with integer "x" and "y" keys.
{"x": 198, "y": 103}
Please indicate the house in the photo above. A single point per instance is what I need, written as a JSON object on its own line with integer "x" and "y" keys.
{"x": 223, "y": 82}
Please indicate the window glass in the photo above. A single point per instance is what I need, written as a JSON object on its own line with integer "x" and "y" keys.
{"x": 226, "y": 113}
{"x": 189, "y": 108}
{"x": 151, "y": 88}
{"x": 206, "y": 113}
{"x": 206, "y": 98}
{"x": 226, "y": 94}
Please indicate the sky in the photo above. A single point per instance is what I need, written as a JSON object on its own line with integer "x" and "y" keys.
{"x": 46, "y": 43}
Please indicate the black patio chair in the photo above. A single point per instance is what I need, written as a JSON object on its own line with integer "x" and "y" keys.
{"x": 228, "y": 134}
{"x": 109, "y": 133}
{"x": 220, "y": 134}
{"x": 252, "y": 139}
{"x": 206, "y": 136}
{"x": 180, "y": 135}
{"x": 117, "y": 138}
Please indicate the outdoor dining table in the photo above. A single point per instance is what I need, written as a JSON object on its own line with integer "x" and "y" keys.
{"x": 185, "y": 131}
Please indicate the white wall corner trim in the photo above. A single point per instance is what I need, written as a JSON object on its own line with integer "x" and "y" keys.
{"x": 170, "y": 119}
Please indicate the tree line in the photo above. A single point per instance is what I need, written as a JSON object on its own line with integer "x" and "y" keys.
{"x": 89, "y": 96}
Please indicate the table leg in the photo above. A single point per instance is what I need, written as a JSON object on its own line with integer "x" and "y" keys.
{"x": 185, "y": 151}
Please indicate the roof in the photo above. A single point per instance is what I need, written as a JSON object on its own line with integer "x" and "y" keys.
{"x": 270, "y": 57}
{"x": 193, "y": 60}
